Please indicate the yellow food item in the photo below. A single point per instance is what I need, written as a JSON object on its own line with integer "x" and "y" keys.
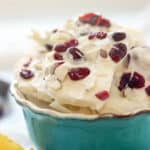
{"x": 7, "y": 144}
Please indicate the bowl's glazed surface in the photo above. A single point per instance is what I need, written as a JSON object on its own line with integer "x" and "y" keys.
{"x": 53, "y": 133}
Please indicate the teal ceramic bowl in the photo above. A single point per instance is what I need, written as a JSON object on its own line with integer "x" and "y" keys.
{"x": 52, "y": 132}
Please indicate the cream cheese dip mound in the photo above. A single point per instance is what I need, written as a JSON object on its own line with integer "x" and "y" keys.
{"x": 88, "y": 66}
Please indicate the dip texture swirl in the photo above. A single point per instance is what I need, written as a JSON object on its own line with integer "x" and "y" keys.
{"x": 90, "y": 65}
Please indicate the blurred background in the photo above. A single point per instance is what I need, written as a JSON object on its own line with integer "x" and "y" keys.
{"x": 19, "y": 17}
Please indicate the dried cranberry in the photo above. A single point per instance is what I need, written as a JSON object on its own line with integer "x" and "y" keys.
{"x": 119, "y": 36}
{"x": 60, "y": 48}
{"x": 125, "y": 78}
{"x": 147, "y": 90}
{"x": 102, "y": 95}
{"x": 26, "y": 74}
{"x": 76, "y": 53}
{"x": 91, "y": 36}
{"x": 121, "y": 46}
{"x": 80, "y": 73}
{"x": 49, "y": 47}
{"x": 137, "y": 81}
{"x": 103, "y": 22}
{"x": 103, "y": 53}
{"x": 87, "y": 17}
{"x": 58, "y": 56}
{"x": 118, "y": 52}
{"x": 71, "y": 43}
{"x": 94, "y": 19}
{"x": 101, "y": 35}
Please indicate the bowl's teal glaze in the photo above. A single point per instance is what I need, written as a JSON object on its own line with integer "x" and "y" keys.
{"x": 52, "y": 133}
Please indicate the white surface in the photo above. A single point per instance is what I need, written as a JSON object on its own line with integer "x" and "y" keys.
{"x": 13, "y": 125}
{"x": 18, "y": 17}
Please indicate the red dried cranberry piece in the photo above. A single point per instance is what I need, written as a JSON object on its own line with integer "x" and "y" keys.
{"x": 57, "y": 56}
{"x": 102, "y": 95}
{"x": 121, "y": 46}
{"x": 118, "y": 52}
{"x": 103, "y": 22}
{"x": 91, "y": 36}
{"x": 60, "y": 48}
{"x": 125, "y": 78}
{"x": 76, "y": 53}
{"x": 26, "y": 74}
{"x": 147, "y": 90}
{"x": 71, "y": 43}
{"x": 80, "y": 73}
{"x": 49, "y": 47}
{"x": 119, "y": 36}
{"x": 103, "y": 53}
{"x": 87, "y": 17}
{"x": 101, "y": 35}
{"x": 137, "y": 81}
{"x": 93, "y": 20}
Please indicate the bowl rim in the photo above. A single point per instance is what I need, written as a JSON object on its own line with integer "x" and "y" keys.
{"x": 31, "y": 106}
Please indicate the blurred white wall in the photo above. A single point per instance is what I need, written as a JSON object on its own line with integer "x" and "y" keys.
{"x": 18, "y": 17}
{"x": 37, "y": 9}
